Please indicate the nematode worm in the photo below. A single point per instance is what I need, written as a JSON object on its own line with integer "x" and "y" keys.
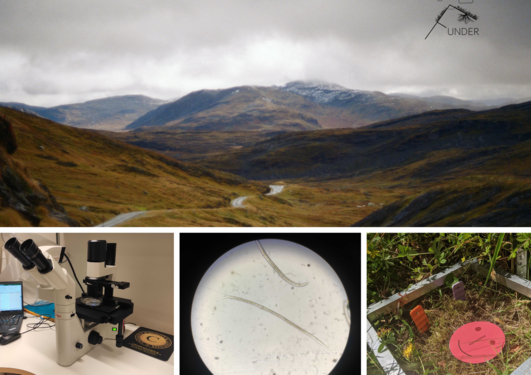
{"x": 278, "y": 316}
{"x": 284, "y": 277}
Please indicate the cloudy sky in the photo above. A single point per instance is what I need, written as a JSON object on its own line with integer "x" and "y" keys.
{"x": 67, "y": 51}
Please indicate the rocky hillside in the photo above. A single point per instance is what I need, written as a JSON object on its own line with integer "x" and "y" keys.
{"x": 95, "y": 177}
{"x": 23, "y": 200}
{"x": 112, "y": 113}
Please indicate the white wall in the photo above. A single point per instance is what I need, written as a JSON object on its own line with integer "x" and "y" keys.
{"x": 143, "y": 259}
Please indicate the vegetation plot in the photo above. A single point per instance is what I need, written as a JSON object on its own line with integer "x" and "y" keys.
{"x": 396, "y": 261}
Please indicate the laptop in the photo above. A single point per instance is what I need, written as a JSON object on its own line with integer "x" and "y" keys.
{"x": 11, "y": 306}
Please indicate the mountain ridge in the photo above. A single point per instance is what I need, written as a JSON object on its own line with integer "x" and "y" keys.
{"x": 111, "y": 113}
{"x": 301, "y": 105}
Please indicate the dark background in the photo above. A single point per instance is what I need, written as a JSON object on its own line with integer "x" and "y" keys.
{"x": 198, "y": 251}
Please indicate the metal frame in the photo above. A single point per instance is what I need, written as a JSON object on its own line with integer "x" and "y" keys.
{"x": 386, "y": 359}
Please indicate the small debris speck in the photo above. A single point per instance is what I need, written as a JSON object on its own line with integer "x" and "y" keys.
{"x": 216, "y": 357}
{"x": 335, "y": 360}
{"x": 308, "y": 265}
{"x": 221, "y": 342}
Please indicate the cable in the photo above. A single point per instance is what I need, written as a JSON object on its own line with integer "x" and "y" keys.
{"x": 74, "y": 272}
{"x": 37, "y": 315}
{"x": 3, "y": 239}
{"x": 40, "y": 324}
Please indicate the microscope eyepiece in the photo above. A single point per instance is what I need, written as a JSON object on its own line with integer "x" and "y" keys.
{"x": 110, "y": 259}
{"x": 13, "y": 246}
{"x": 32, "y": 251}
{"x": 97, "y": 251}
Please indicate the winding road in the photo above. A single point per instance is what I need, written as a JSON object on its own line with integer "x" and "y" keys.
{"x": 236, "y": 203}
{"x": 121, "y": 218}
{"x": 275, "y": 189}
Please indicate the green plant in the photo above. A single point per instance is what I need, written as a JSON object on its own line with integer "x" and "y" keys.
{"x": 494, "y": 259}
{"x": 506, "y": 367}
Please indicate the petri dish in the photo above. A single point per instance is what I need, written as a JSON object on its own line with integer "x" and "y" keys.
{"x": 270, "y": 307}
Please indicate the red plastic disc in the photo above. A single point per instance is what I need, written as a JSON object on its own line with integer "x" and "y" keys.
{"x": 477, "y": 342}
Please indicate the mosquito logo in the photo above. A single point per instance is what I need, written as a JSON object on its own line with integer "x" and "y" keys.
{"x": 464, "y": 16}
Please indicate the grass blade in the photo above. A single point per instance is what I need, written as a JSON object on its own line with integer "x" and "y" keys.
{"x": 494, "y": 259}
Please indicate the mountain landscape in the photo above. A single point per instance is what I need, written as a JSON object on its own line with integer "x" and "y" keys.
{"x": 65, "y": 176}
{"x": 293, "y": 107}
{"x": 112, "y": 113}
{"x": 476, "y": 164}
{"x": 443, "y": 140}
{"x": 95, "y": 178}
{"x": 344, "y": 157}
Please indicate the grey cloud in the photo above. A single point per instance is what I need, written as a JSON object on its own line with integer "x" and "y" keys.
{"x": 54, "y": 50}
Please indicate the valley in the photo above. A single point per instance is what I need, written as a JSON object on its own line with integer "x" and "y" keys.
{"x": 344, "y": 157}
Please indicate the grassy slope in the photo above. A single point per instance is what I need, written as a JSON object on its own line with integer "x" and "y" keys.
{"x": 345, "y": 174}
{"x": 86, "y": 169}
{"x": 297, "y": 205}
{"x": 480, "y": 157}
{"x": 29, "y": 202}
{"x": 478, "y": 162}
{"x": 425, "y": 145}
{"x": 190, "y": 145}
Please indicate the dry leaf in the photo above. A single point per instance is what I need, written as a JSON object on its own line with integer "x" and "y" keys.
{"x": 493, "y": 275}
{"x": 499, "y": 321}
{"x": 514, "y": 349}
{"x": 443, "y": 364}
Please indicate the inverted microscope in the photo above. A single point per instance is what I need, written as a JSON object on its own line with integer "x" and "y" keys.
{"x": 82, "y": 323}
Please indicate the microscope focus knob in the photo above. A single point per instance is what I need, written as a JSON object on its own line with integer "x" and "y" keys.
{"x": 79, "y": 345}
{"x": 95, "y": 338}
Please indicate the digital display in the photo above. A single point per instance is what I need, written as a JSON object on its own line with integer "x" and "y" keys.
{"x": 10, "y": 297}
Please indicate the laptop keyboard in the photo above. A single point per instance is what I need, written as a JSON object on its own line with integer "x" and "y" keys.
{"x": 9, "y": 320}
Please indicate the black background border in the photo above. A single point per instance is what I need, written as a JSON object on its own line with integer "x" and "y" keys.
{"x": 198, "y": 251}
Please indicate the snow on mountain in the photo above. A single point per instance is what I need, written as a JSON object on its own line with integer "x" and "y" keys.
{"x": 324, "y": 92}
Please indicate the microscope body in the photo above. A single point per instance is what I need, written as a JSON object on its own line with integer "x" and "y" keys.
{"x": 78, "y": 327}
{"x": 72, "y": 338}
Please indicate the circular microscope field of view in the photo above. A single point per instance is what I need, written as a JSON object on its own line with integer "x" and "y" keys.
{"x": 270, "y": 307}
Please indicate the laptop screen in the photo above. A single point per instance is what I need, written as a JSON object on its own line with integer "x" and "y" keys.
{"x": 11, "y": 300}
